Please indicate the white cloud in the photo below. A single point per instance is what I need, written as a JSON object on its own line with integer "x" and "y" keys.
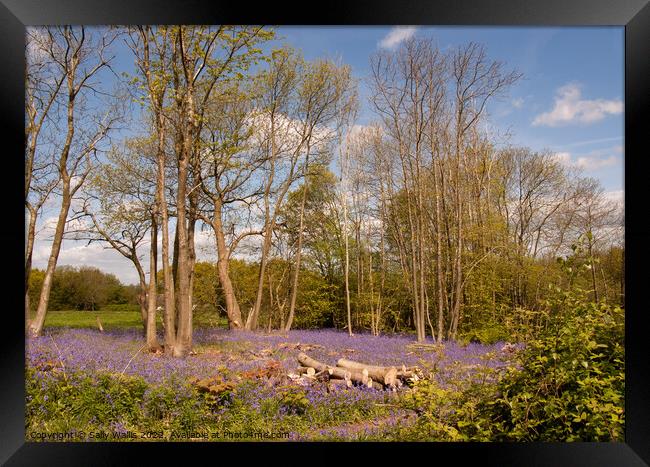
{"x": 594, "y": 163}
{"x": 589, "y": 162}
{"x": 569, "y": 108}
{"x": 46, "y": 227}
{"x": 97, "y": 254}
{"x": 396, "y": 36}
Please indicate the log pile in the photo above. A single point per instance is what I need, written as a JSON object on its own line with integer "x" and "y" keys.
{"x": 348, "y": 373}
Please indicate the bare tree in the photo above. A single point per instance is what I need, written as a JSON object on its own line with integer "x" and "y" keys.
{"x": 80, "y": 56}
{"x": 298, "y": 103}
{"x": 327, "y": 99}
{"x": 227, "y": 181}
{"x": 120, "y": 210}
{"x": 151, "y": 48}
{"x": 43, "y": 82}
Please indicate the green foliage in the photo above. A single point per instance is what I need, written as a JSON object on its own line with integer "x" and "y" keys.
{"x": 62, "y": 402}
{"x": 73, "y": 402}
{"x": 571, "y": 382}
{"x": 489, "y": 333}
{"x": 293, "y": 400}
{"x": 317, "y": 301}
{"x": 451, "y": 412}
{"x": 172, "y": 406}
{"x": 82, "y": 288}
{"x": 244, "y": 276}
{"x": 206, "y": 283}
{"x": 568, "y": 386}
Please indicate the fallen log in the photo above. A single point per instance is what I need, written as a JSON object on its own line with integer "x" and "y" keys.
{"x": 388, "y": 375}
{"x": 306, "y": 361}
{"x": 302, "y": 370}
{"x": 375, "y": 384}
{"x": 306, "y": 370}
{"x": 335, "y": 372}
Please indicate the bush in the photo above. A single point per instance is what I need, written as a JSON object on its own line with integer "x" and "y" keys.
{"x": 571, "y": 383}
{"x": 569, "y": 386}
{"x": 488, "y": 334}
{"x": 57, "y": 401}
{"x": 451, "y": 412}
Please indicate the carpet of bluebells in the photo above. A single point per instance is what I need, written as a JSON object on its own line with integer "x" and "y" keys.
{"x": 69, "y": 357}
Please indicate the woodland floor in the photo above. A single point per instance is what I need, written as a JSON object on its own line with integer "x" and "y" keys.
{"x": 257, "y": 365}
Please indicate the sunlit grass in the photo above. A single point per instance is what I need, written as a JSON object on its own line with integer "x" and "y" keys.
{"x": 112, "y": 319}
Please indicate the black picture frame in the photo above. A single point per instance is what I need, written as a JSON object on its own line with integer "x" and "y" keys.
{"x": 634, "y": 15}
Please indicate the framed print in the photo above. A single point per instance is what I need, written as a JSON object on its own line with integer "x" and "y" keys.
{"x": 415, "y": 227}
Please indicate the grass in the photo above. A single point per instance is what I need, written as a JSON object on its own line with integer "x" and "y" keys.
{"x": 119, "y": 319}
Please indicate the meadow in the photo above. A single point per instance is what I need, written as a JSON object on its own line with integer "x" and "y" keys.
{"x": 117, "y": 317}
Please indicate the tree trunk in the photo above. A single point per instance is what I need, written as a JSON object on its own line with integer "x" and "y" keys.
{"x": 156, "y": 98}
{"x": 152, "y": 338}
{"x": 346, "y": 243}
{"x": 175, "y": 277}
{"x": 142, "y": 301}
{"x": 223, "y": 258}
{"x": 441, "y": 297}
{"x": 184, "y": 333}
{"x": 296, "y": 267}
{"x": 251, "y": 321}
{"x": 31, "y": 234}
{"x": 36, "y": 327}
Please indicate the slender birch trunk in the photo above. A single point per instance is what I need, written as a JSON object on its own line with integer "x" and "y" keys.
{"x": 151, "y": 337}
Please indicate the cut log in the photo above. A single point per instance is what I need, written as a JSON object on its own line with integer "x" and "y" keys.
{"x": 334, "y": 372}
{"x": 306, "y": 360}
{"x": 387, "y": 375}
{"x": 302, "y": 370}
{"x": 375, "y": 385}
{"x": 354, "y": 376}
{"x": 390, "y": 377}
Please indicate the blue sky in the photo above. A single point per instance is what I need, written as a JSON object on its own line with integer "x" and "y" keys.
{"x": 584, "y": 64}
{"x": 570, "y": 100}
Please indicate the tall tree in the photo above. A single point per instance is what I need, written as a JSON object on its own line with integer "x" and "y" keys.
{"x": 300, "y": 104}
{"x": 151, "y": 48}
{"x": 43, "y": 82}
{"x": 80, "y": 56}
{"x": 120, "y": 210}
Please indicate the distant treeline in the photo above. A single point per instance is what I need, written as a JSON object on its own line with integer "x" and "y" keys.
{"x": 83, "y": 288}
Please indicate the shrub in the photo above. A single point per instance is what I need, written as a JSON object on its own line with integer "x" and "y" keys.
{"x": 488, "y": 334}
{"x": 293, "y": 400}
{"x": 571, "y": 383}
{"x": 451, "y": 412}
{"x": 65, "y": 402}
